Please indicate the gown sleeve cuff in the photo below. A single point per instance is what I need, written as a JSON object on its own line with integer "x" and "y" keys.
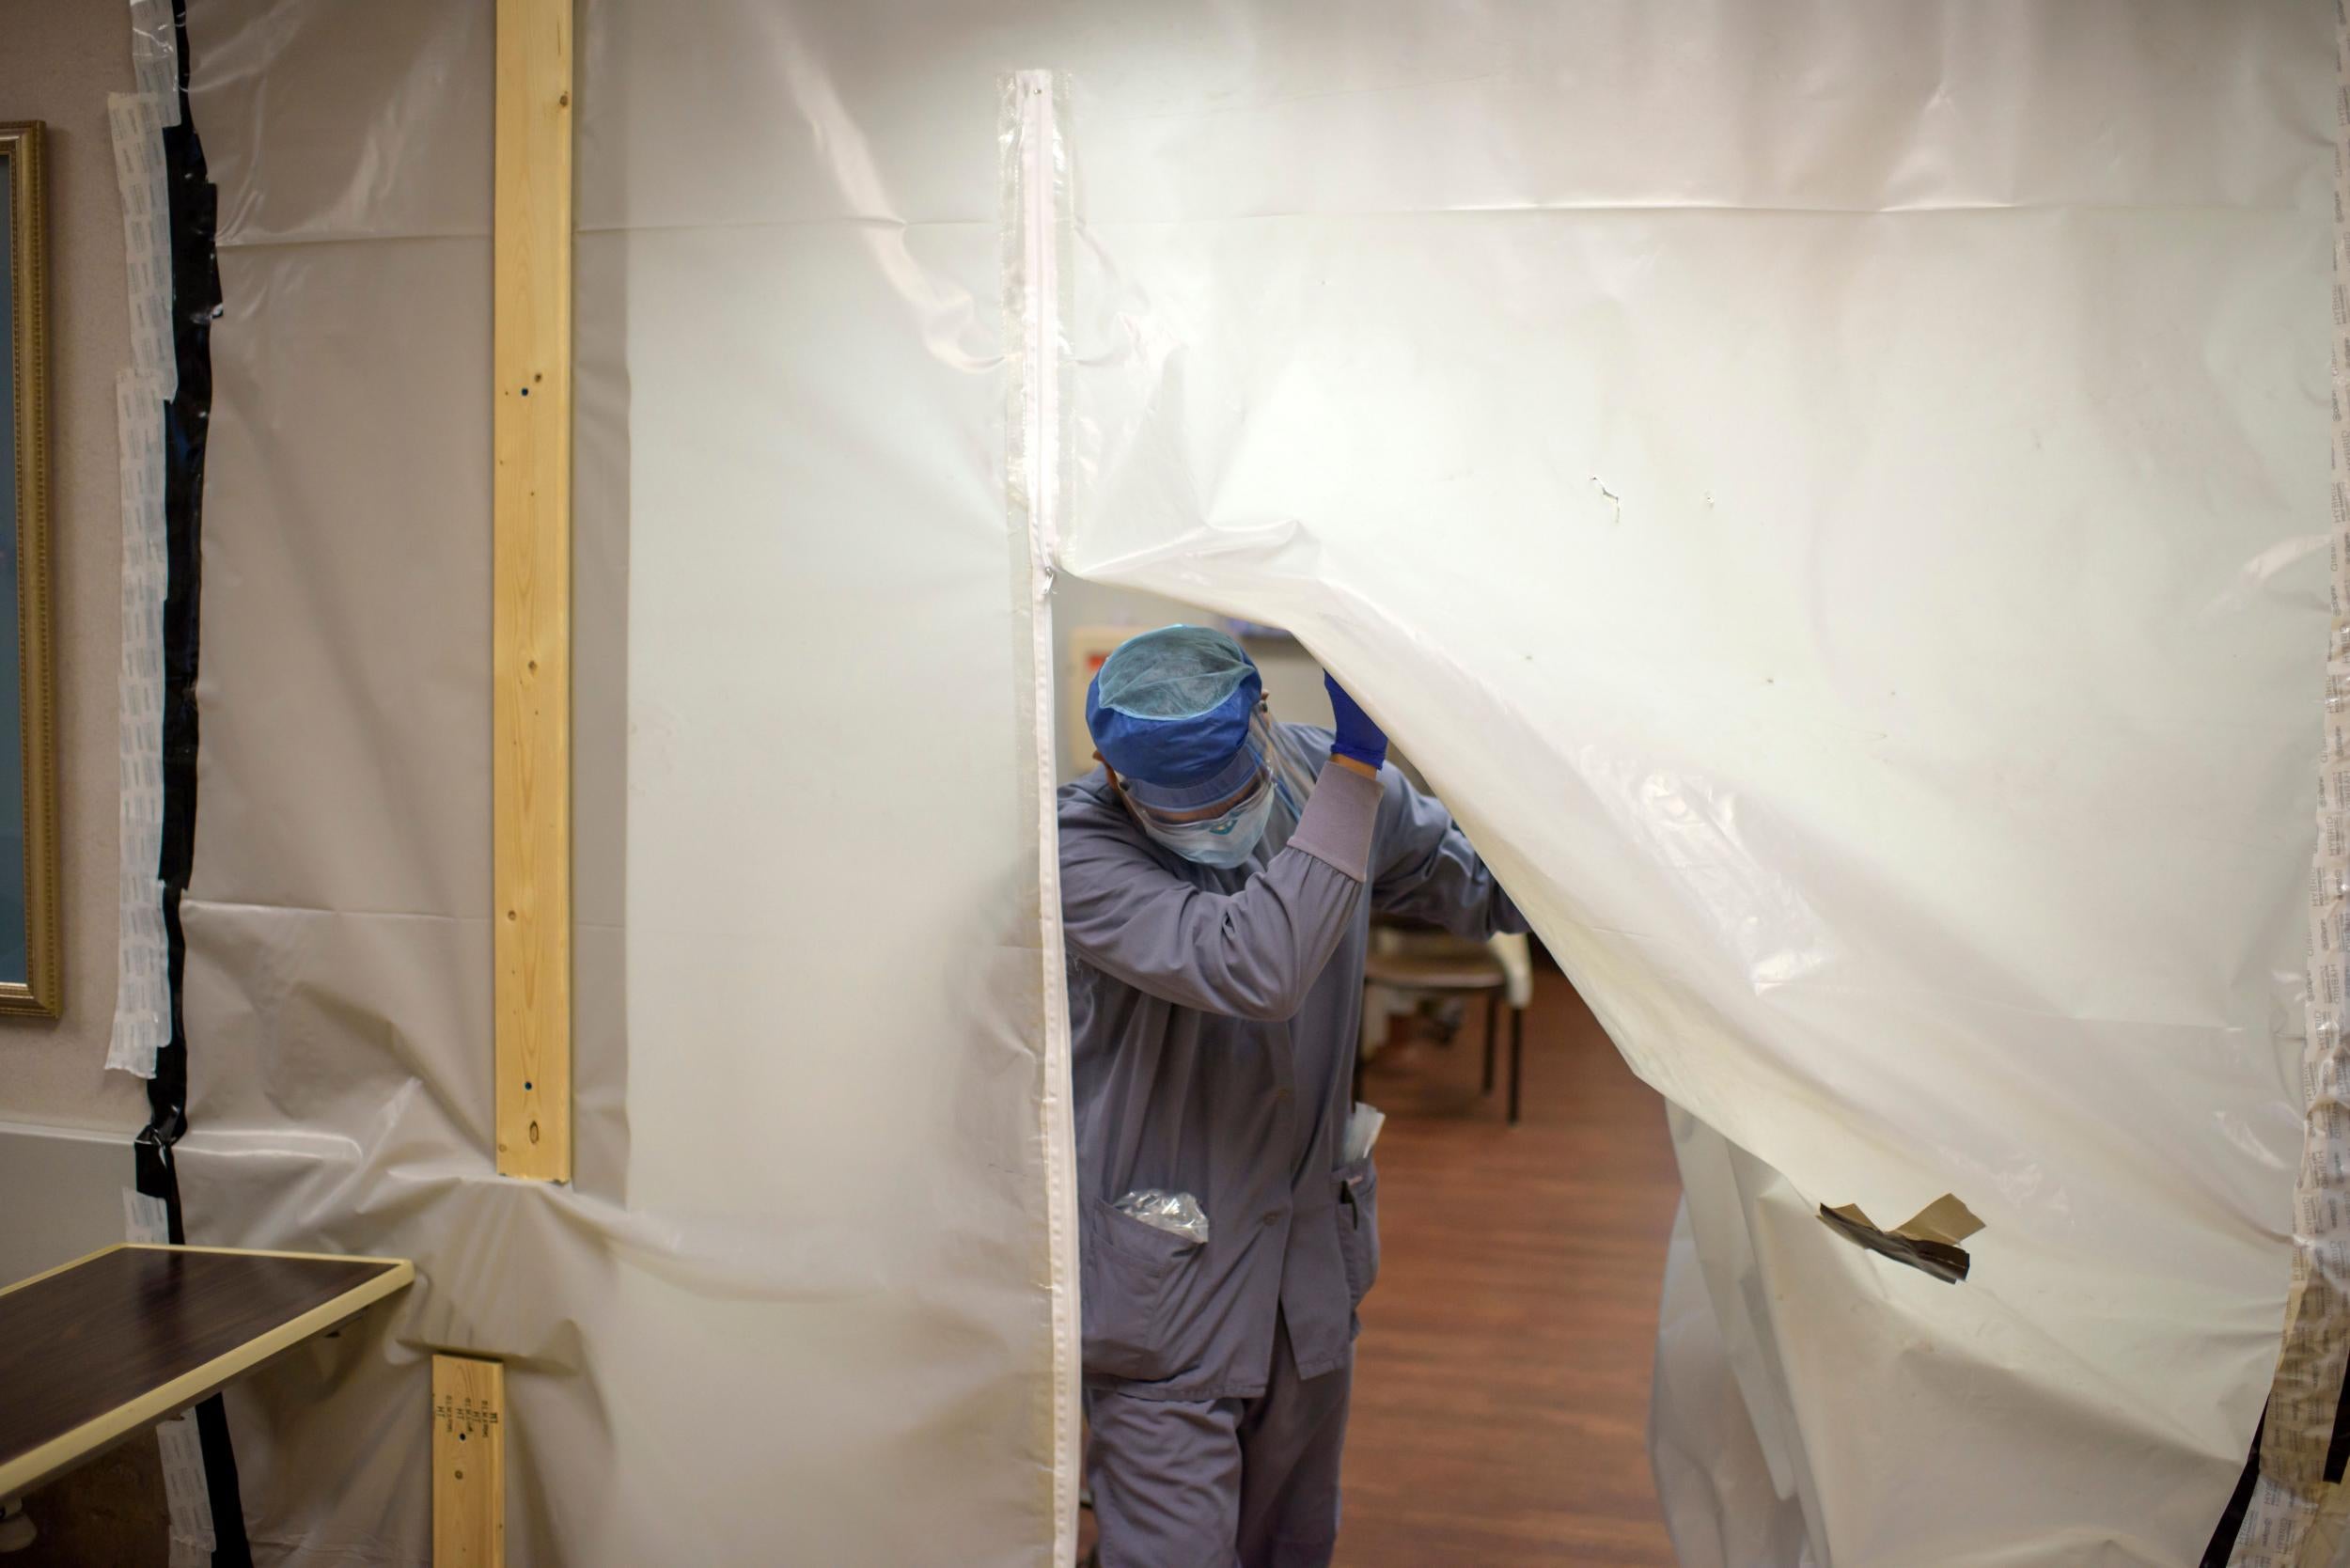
{"x": 1339, "y": 821}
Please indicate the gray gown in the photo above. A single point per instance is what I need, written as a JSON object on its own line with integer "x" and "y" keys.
{"x": 1215, "y": 1016}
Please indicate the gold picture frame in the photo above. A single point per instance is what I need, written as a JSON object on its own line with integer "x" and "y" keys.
{"x": 25, "y": 235}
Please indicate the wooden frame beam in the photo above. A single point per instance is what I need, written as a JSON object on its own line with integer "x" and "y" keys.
{"x": 468, "y": 1463}
{"x": 531, "y": 622}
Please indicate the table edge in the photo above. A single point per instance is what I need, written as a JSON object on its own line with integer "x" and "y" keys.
{"x": 45, "y": 1460}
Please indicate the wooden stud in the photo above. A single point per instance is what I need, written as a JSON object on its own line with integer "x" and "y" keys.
{"x": 532, "y": 623}
{"x": 468, "y": 1463}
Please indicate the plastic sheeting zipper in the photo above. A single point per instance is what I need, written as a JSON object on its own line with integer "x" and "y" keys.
{"x": 1034, "y": 173}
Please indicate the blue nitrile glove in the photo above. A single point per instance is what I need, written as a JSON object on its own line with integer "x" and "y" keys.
{"x": 1357, "y": 737}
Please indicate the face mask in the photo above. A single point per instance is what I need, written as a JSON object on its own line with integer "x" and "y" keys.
{"x": 1225, "y": 839}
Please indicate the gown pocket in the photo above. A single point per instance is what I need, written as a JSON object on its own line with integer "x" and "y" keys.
{"x": 1358, "y": 1226}
{"x": 1127, "y": 1279}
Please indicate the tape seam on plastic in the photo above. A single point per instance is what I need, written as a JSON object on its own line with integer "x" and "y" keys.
{"x": 155, "y": 54}
{"x": 187, "y": 1499}
{"x": 1034, "y": 219}
{"x": 142, "y": 996}
{"x": 169, "y": 397}
{"x": 2294, "y": 1496}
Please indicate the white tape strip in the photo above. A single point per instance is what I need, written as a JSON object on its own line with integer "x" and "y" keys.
{"x": 142, "y": 987}
{"x": 155, "y": 54}
{"x": 1042, "y": 165}
{"x": 142, "y": 1023}
{"x": 2274, "y": 1527}
{"x": 137, "y": 120}
{"x": 144, "y": 1218}
{"x": 190, "y": 1502}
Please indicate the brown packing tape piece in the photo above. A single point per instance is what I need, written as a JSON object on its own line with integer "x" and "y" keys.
{"x": 1927, "y": 1243}
{"x": 1946, "y": 1220}
{"x": 2327, "y": 1531}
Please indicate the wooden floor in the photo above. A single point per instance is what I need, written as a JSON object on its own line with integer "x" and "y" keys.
{"x": 1502, "y": 1381}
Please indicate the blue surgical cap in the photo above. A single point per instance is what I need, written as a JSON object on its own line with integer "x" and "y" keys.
{"x": 1170, "y": 708}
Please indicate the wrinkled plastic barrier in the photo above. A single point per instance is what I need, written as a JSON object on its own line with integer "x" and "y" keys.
{"x": 1833, "y": 495}
{"x": 804, "y": 1302}
{"x": 1834, "y": 498}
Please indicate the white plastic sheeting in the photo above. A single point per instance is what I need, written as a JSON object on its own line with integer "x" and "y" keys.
{"x": 1833, "y": 495}
{"x": 1723, "y": 1500}
{"x": 804, "y": 1302}
{"x": 1834, "y": 498}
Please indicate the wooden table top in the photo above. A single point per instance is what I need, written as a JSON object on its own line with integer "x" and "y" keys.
{"x": 98, "y": 1348}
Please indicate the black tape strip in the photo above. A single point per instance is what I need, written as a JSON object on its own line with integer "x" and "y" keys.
{"x": 2239, "y": 1503}
{"x": 195, "y": 204}
{"x": 1942, "y": 1259}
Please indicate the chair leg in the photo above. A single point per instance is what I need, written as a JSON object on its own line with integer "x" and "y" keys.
{"x": 1517, "y": 1059}
{"x": 1493, "y": 1013}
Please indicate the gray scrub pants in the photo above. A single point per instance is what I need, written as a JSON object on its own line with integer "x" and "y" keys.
{"x": 1208, "y": 1483}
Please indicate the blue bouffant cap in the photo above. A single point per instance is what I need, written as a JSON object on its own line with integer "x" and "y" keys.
{"x": 1171, "y": 709}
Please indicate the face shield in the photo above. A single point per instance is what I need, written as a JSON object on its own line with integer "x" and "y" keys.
{"x": 1226, "y": 839}
{"x": 1272, "y": 779}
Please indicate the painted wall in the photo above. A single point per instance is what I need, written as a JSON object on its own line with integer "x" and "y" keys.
{"x": 61, "y": 63}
